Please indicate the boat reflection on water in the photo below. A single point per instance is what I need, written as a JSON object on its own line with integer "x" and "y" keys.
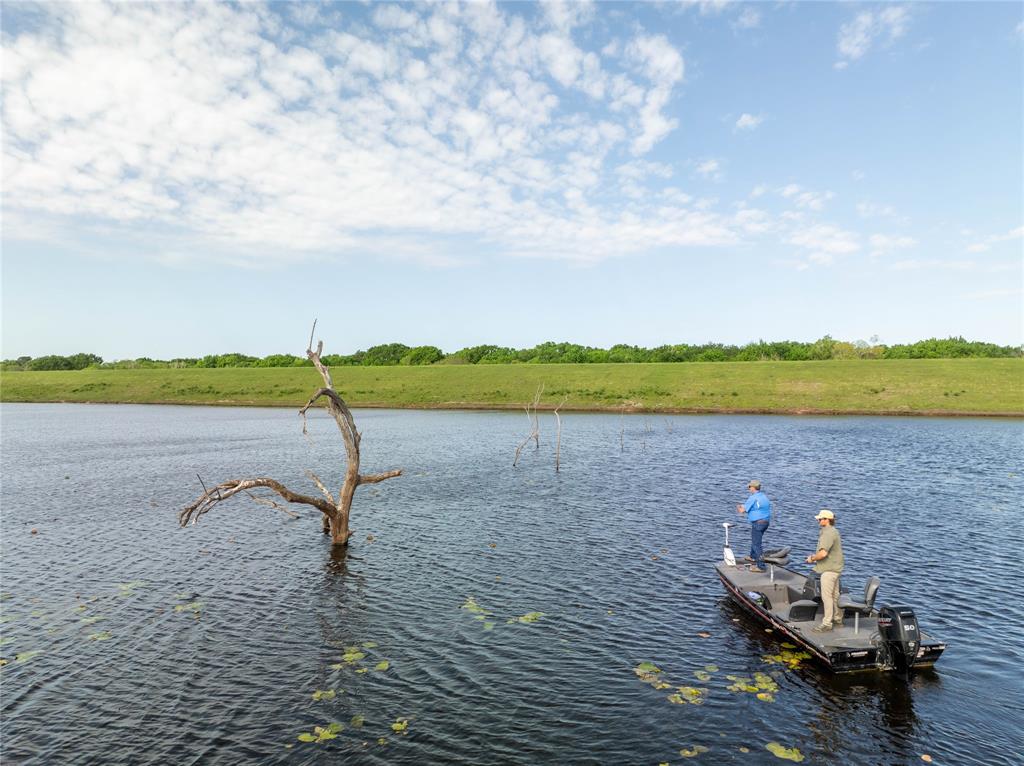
{"x": 848, "y": 702}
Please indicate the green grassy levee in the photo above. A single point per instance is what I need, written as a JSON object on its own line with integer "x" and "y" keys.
{"x": 914, "y": 386}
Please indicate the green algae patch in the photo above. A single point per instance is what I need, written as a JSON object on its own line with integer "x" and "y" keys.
{"x": 324, "y": 694}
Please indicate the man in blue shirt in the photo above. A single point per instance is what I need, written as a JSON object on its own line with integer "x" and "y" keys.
{"x": 759, "y": 513}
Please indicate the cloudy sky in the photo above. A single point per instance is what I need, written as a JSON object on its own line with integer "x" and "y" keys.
{"x": 184, "y": 179}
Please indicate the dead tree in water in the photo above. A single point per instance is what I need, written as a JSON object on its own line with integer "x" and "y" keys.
{"x": 534, "y": 425}
{"x": 335, "y": 511}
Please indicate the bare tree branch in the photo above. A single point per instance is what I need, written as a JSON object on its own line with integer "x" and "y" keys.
{"x": 534, "y": 425}
{"x": 558, "y": 437}
{"x": 374, "y": 478}
{"x": 212, "y": 497}
{"x": 320, "y": 485}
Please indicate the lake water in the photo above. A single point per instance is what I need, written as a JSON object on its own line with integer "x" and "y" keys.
{"x": 205, "y": 645}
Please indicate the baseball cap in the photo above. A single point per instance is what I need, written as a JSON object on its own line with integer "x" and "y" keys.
{"x": 825, "y": 513}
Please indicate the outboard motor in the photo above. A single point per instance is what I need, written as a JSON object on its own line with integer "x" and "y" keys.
{"x": 901, "y": 638}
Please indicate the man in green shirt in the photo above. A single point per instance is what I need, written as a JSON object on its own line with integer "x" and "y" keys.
{"x": 828, "y": 562}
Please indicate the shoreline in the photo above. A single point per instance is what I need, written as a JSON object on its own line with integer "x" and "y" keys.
{"x": 632, "y": 410}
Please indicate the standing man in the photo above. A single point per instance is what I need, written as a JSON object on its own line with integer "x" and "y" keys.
{"x": 828, "y": 562}
{"x": 759, "y": 513}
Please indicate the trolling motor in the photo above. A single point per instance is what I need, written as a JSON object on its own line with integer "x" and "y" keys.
{"x": 727, "y": 555}
{"x": 900, "y": 636}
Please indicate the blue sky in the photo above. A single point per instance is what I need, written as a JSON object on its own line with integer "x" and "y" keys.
{"x": 185, "y": 179}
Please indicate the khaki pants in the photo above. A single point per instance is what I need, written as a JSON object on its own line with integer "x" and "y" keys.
{"x": 830, "y": 598}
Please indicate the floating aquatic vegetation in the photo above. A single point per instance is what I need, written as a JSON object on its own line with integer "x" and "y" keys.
{"x": 357, "y": 721}
{"x": 765, "y": 697}
{"x": 91, "y": 620}
{"x": 324, "y": 694}
{"x": 360, "y": 671}
{"x": 369, "y": 644}
{"x": 321, "y": 734}
{"x": 693, "y": 751}
{"x": 474, "y": 608}
{"x": 688, "y": 695}
{"x": 103, "y": 635}
{"x": 400, "y": 726}
{"x": 26, "y": 656}
{"x": 382, "y": 665}
{"x": 183, "y": 596}
{"x": 711, "y": 668}
{"x": 128, "y": 588}
{"x": 382, "y": 741}
{"x": 527, "y": 618}
{"x": 352, "y": 654}
{"x": 488, "y": 625}
{"x": 647, "y": 671}
{"x": 786, "y": 753}
{"x": 193, "y": 606}
{"x": 702, "y": 675}
{"x": 787, "y": 657}
{"x": 744, "y": 749}
{"x": 765, "y": 682}
{"x": 787, "y": 645}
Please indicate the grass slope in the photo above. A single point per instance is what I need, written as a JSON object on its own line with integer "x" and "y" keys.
{"x": 915, "y": 386}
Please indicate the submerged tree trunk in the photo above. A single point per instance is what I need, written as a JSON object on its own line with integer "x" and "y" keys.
{"x": 335, "y": 512}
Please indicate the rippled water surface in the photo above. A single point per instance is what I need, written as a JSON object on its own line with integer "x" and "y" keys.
{"x": 129, "y": 640}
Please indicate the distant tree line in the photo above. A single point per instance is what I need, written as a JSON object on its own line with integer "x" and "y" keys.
{"x": 393, "y": 354}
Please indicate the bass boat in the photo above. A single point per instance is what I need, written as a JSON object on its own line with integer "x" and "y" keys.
{"x": 886, "y": 638}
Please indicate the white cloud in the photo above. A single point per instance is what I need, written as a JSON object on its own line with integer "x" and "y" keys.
{"x": 823, "y": 242}
{"x": 857, "y": 36}
{"x": 748, "y": 19}
{"x": 231, "y": 131}
{"x": 873, "y": 210}
{"x": 883, "y": 244}
{"x": 986, "y": 244}
{"x": 709, "y": 169}
{"x": 806, "y": 199}
{"x": 748, "y": 121}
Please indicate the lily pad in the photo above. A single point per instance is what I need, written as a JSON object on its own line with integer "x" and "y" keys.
{"x": 693, "y": 751}
{"x": 382, "y": 665}
{"x": 357, "y": 721}
{"x": 400, "y": 726}
{"x": 321, "y": 733}
{"x": 473, "y": 608}
{"x": 26, "y": 656}
{"x": 193, "y": 606}
{"x": 765, "y": 697}
{"x": 324, "y": 694}
{"x": 528, "y": 617}
{"x": 785, "y": 753}
{"x": 369, "y": 644}
{"x": 91, "y": 620}
{"x": 352, "y": 654}
{"x": 488, "y": 625}
{"x": 103, "y": 635}
{"x": 711, "y": 668}
{"x": 360, "y": 671}
{"x": 702, "y": 675}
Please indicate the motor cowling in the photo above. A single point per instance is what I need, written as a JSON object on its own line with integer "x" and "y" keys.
{"x": 897, "y": 627}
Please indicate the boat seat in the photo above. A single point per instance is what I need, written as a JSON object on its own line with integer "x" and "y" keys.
{"x": 779, "y": 557}
{"x": 864, "y": 607}
{"x": 802, "y": 611}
